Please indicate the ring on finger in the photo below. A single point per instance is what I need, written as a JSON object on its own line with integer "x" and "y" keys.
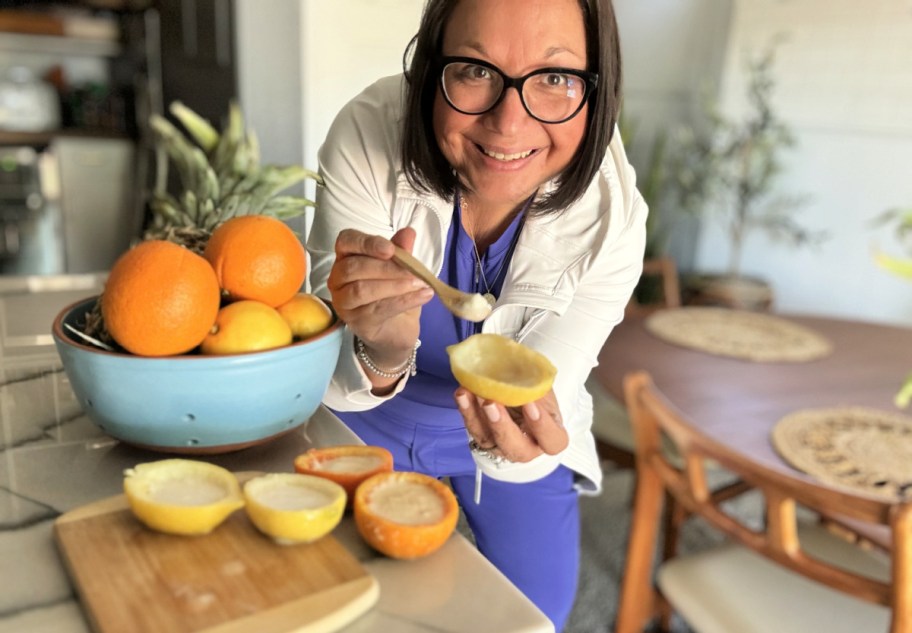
{"x": 476, "y": 446}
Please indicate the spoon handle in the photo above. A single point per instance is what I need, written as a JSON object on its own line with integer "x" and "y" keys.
{"x": 414, "y": 266}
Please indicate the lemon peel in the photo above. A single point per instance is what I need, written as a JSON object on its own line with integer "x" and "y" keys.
{"x": 498, "y": 368}
{"x": 181, "y": 496}
{"x": 294, "y": 508}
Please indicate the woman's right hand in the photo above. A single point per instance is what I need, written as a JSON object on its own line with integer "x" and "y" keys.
{"x": 378, "y": 300}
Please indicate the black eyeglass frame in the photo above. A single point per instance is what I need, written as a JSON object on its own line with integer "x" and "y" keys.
{"x": 589, "y": 79}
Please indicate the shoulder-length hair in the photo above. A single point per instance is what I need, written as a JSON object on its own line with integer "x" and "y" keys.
{"x": 425, "y": 166}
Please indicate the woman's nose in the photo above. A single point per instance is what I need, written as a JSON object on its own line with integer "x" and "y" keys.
{"x": 510, "y": 113}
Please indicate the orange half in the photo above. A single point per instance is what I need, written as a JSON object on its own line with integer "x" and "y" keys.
{"x": 347, "y": 465}
{"x": 405, "y": 514}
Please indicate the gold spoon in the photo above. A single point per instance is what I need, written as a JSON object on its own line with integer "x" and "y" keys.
{"x": 469, "y": 306}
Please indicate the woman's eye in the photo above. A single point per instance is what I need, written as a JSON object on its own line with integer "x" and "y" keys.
{"x": 474, "y": 72}
{"x": 556, "y": 80}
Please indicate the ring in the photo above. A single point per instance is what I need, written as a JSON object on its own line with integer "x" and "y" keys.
{"x": 475, "y": 446}
{"x": 488, "y": 453}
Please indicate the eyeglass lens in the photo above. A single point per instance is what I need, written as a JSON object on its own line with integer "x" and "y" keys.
{"x": 548, "y": 95}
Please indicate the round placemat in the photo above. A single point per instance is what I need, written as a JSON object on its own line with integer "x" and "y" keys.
{"x": 864, "y": 449}
{"x": 739, "y": 334}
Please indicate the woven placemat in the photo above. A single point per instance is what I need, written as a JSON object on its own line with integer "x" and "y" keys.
{"x": 739, "y": 334}
{"x": 864, "y": 449}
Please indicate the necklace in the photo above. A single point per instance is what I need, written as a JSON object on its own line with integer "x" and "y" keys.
{"x": 479, "y": 269}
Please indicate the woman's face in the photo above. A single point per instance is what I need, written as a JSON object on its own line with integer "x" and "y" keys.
{"x": 504, "y": 155}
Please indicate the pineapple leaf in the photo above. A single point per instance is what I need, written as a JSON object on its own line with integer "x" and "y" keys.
{"x": 198, "y": 127}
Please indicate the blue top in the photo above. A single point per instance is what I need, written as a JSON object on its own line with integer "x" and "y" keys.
{"x": 431, "y": 389}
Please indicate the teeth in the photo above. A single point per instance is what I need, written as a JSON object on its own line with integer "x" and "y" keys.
{"x": 508, "y": 157}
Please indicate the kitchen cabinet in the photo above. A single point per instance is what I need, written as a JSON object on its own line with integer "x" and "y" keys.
{"x": 74, "y": 201}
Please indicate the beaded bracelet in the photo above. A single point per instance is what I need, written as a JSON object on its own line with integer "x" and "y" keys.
{"x": 409, "y": 366}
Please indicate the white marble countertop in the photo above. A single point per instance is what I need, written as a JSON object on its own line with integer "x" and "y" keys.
{"x": 53, "y": 459}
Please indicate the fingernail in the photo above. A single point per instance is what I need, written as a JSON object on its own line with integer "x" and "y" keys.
{"x": 462, "y": 401}
{"x": 533, "y": 412}
{"x": 492, "y": 412}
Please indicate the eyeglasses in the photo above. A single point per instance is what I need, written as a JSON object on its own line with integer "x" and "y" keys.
{"x": 549, "y": 95}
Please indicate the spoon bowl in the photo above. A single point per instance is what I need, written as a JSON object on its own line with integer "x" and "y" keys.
{"x": 465, "y": 305}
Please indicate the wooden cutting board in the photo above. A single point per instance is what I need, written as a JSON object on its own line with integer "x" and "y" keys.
{"x": 233, "y": 580}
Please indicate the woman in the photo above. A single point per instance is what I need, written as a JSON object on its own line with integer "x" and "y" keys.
{"x": 495, "y": 162}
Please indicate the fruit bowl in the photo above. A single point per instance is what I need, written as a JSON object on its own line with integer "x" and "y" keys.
{"x": 197, "y": 404}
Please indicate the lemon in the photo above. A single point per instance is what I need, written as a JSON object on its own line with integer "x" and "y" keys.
{"x": 294, "y": 508}
{"x": 181, "y": 496}
{"x": 306, "y": 314}
{"x": 497, "y": 368}
{"x": 246, "y": 326}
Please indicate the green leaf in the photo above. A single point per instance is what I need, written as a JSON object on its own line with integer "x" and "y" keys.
{"x": 897, "y": 266}
{"x": 904, "y": 396}
{"x": 198, "y": 127}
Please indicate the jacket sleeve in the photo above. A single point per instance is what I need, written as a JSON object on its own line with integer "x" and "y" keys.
{"x": 357, "y": 162}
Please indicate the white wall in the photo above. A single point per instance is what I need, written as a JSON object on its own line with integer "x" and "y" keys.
{"x": 844, "y": 85}
{"x": 673, "y": 52}
{"x": 300, "y": 61}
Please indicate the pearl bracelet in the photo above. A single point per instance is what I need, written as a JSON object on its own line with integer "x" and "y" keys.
{"x": 408, "y": 367}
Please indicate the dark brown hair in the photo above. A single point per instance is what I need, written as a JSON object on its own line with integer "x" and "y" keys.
{"x": 424, "y": 164}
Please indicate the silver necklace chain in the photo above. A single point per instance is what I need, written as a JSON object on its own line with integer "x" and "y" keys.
{"x": 479, "y": 269}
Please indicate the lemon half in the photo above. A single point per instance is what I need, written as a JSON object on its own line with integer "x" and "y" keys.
{"x": 498, "y": 368}
{"x": 181, "y": 496}
{"x": 294, "y": 508}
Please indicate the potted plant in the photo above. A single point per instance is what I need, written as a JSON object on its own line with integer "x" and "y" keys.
{"x": 729, "y": 167}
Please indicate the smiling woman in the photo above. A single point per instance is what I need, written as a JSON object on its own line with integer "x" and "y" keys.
{"x": 493, "y": 159}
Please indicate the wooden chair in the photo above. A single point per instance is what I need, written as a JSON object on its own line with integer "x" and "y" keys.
{"x": 611, "y": 426}
{"x": 788, "y": 576}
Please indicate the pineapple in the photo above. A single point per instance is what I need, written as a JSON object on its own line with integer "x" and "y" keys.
{"x": 221, "y": 177}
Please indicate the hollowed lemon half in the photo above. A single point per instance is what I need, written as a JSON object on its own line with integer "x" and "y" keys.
{"x": 348, "y": 465}
{"x": 294, "y": 508}
{"x": 498, "y": 368}
{"x": 405, "y": 514}
{"x": 181, "y": 496}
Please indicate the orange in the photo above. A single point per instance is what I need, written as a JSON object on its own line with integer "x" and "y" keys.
{"x": 246, "y": 326}
{"x": 306, "y": 314}
{"x": 257, "y": 257}
{"x": 348, "y": 465}
{"x": 160, "y": 299}
{"x": 498, "y": 368}
{"x": 405, "y": 514}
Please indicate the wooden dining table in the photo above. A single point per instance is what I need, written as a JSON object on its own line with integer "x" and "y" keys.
{"x": 738, "y": 402}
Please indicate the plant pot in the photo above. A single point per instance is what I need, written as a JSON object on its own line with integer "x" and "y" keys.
{"x": 738, "y": 292}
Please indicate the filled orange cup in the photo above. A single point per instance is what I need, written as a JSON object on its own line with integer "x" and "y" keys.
{"x": 347, "y": 465}
{"x": 405, "y": 514}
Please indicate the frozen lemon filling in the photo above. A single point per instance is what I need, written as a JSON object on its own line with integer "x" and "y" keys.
{"x": 184, "y": 492}
{"x": 293, "y": 498}
{"x": 349, "y": 463}
{"x": 407, "y": 503}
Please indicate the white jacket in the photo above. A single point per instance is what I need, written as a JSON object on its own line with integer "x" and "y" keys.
{"x": 565, "y": 289}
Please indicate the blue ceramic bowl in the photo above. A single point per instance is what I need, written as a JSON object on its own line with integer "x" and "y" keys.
{"x": 197, "y": 404}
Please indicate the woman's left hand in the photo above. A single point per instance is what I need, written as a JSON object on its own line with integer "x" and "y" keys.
{"x": 518, "y": 434}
